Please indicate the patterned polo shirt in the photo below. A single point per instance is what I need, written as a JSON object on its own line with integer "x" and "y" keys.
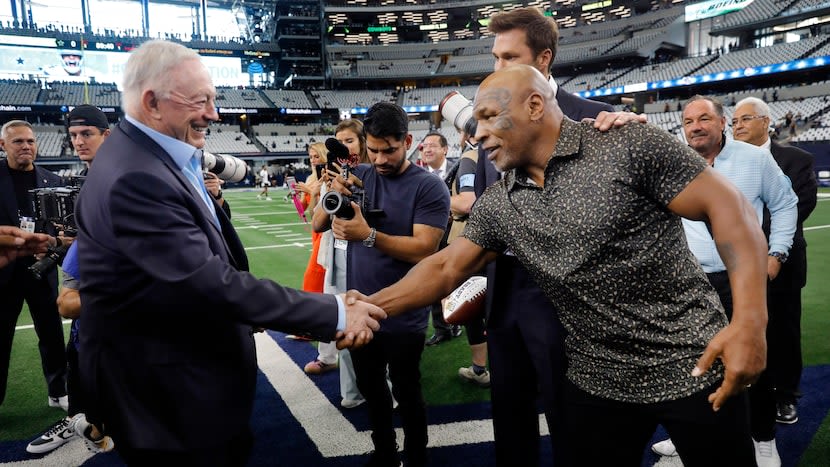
{"x": 612, "y": 258}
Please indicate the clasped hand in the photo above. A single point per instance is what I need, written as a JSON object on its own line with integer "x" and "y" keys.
{"x": 362, "y": 318}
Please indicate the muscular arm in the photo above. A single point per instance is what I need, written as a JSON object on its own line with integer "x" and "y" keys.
{"x": 434, "y": 277}
{"x": 741, "y": 245}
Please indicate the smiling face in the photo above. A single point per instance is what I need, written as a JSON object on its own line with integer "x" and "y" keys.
{"x": 187, "y": 106}
{"x": 21, "y": 147}
{"x": 433, "y": 154}
{"x": 500, "y": 131}
{"x": 510, "y": 48}
{"x": 703, "y": 128}
{"x": 86, "y": 140}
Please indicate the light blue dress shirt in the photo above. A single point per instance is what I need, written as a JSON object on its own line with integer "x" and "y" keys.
{"x": 183, "y": 155}
{"x": 755, "y": 173}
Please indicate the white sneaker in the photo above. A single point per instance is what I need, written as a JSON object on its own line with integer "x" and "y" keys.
{"x": 62, "y": 402}
{"x": 258, "y": 196}
{"x": 664, "y": 448}
{"x": 351, "y": 403}
{"x": 766, "y": 453}
{"x": 53, "y": 438}
{"x": 83, "y": 429}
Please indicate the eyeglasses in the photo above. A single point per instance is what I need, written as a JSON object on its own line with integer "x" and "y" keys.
{"x": 746, "y": 119}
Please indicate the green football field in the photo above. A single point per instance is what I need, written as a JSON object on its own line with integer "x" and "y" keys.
{"x": 278, "y": 246}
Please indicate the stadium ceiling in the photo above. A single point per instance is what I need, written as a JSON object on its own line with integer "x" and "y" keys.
{"x": 263, "y": 4}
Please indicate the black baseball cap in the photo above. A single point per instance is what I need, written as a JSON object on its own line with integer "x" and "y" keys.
{"x": 87, "y": 115}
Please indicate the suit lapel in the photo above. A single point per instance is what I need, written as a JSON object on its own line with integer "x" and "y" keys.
{"x": 144, "y": 141}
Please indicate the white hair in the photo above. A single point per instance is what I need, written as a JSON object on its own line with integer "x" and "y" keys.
{"x": 4, "y": 132}
{"x": 148, "y": 67}
{"x": 761, "y": 107}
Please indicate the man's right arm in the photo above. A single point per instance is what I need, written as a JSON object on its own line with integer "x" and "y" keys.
{"x": 433, "y": 278}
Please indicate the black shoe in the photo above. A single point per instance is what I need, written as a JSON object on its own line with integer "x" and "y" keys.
{"x": 787, "y": 413}
{"x": 377, "y": 459}
{"x": 437, "y": 339}
{"x": 456, "y": 330}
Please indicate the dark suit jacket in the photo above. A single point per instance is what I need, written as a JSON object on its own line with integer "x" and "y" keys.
{"x": 798, "y": 165}
{"x": 574, "y": 107}
{"x": 8, "y": 204}
{"x": 167, "y": 352}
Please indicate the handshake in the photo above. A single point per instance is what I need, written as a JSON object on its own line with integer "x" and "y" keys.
{"x": 362, "y": 318}
{"x": 16, "y": 243}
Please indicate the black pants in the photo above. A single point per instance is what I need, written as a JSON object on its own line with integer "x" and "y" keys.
{"x": 401, "y": 352}
{"x": 40, "y": 295}
{"x": 784, "y": 328}
{"x": 606, "y": 432}
{"x": 762, "y": 392}
{"x": 525, "y": 344}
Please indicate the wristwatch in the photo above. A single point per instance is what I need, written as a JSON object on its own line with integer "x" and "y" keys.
{"x": 218, "y": 195}
{"x": 781, "y": 257}
{"x": 369, "y": 241}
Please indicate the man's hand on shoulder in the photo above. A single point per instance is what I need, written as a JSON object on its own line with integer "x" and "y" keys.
{"x": 606, "y": 120}
{"x": 361, "y": 320}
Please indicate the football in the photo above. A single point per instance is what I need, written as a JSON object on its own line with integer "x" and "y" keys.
{"x": 466, "y": 303}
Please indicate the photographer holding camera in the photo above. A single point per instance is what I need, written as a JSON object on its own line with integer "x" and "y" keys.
{"x": 87, "y": 127}
{"x": 415, "y": 206}
{"x": 19, "y": 175}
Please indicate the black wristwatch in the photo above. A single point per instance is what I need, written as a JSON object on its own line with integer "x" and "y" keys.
{"x": 218, "y": 195}
{"x": 781, "y": 257}
{"x": 369, "y": 241}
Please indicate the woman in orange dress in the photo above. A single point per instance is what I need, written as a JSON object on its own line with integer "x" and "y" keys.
{"x": 314, "y": 273}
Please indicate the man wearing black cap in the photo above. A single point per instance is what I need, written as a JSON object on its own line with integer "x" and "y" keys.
{"x": 87, "y": 127}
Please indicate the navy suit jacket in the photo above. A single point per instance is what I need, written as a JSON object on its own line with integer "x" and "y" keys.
{"x": 167, "y": 349}
{"x": 799, "y": 166}
{"x": 9, "y": 210}
{"x": 574, "y": 107}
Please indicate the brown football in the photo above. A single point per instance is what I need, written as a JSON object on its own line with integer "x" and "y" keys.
{"x": 466, "y": 303}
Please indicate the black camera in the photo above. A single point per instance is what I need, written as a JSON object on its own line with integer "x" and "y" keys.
{"x": 55, "y": 206}
{"x": 337, "y": 203}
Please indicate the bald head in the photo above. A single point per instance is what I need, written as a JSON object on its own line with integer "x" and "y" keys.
{"x": 518, "y": 118}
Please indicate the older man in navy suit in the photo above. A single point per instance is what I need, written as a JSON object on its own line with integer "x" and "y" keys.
{"x": 750, "y": 124}
{"x": 167, "y": 345}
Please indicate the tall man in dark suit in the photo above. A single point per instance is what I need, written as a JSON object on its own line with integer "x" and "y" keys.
{"x": 750, "y": 124}
{"x": 525, "y": 340}
{"x": 167, "y": 346}
{"x": 18, "y": 175}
